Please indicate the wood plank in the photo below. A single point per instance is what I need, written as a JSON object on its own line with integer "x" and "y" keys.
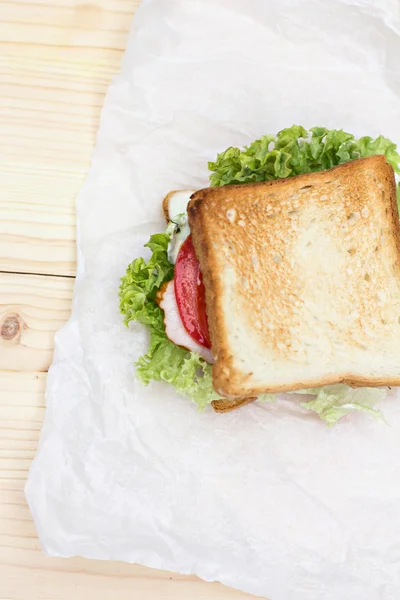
{"x": 56, "y": 62}
{"x": 127, "y": 6}
{"x": 32, "y": 309}
{"x": 25, "y": 573}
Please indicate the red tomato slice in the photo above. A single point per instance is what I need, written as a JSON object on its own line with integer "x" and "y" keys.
{"x": 190, "y": 294}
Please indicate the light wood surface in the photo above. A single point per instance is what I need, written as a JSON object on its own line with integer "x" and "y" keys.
{"x": 57, "y": 58}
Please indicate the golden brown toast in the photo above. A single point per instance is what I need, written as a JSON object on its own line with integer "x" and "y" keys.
{"x": 302, "y": 279}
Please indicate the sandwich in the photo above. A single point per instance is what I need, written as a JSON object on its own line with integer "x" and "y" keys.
{"x": 283, "y": 276}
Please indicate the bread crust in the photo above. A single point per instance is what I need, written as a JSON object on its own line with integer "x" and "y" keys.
{"x": 229, "y": 404}
{"x": 225, "y": 404}
{"x": 214, "y": 215}
{"x": 165, "y": 205}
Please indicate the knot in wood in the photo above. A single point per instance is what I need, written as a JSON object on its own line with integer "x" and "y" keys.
{"x": 10, "y": 327}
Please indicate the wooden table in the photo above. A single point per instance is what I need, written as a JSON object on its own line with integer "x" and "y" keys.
{"x": 57, "y": 58}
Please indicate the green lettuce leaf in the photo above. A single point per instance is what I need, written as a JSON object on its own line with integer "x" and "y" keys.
{"x": 294, "y": 151}
{"x": 186, "y": 371}
{"x": 164, "y": 361}
{"x": 141, "y": 282}
{"x": 333, "y": 402}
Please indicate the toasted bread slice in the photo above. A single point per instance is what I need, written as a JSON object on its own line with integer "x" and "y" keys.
{"x": 228, "y": 404}
{"x": 302, "y": 279}
{"x": 175, "y": 203}
{"x": 165, "y": 205}
{"x": 225, "y": 404}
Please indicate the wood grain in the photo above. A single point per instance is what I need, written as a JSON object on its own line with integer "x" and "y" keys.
{"x": 57, "y": 59}
{"x": 32, "y": 309}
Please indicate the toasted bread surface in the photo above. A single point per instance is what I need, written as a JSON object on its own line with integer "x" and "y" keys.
{"x": 302, "y": 279}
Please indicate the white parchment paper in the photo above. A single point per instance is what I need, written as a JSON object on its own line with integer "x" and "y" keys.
{"x": 265, "y": 499}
